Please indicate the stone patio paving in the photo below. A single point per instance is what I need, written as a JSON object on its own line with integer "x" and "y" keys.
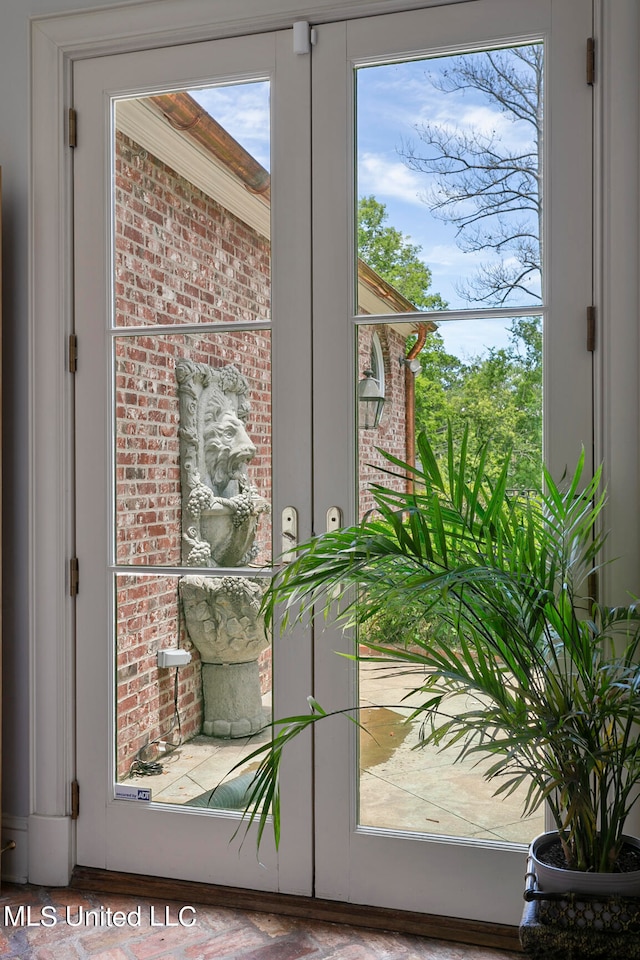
{"x": 401, "y": 787}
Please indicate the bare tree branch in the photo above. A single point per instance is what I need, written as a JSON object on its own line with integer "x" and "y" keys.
{"x": 490, "y": 192}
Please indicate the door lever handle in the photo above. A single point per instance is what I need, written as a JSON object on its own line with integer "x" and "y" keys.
{"x": 289, "y": 534}
{"x": 334, "y": 520}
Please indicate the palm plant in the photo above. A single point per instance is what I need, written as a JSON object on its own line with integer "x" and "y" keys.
{"x": 552, "y": 677}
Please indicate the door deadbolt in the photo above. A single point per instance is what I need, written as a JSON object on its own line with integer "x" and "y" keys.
{"x": 289, "y": 534}
{"x": 334, "y": 518}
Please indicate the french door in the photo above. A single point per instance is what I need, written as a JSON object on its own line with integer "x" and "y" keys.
{"x": 195, "y": 379}
{"x": 225, "y": 313}
{"x": 388, "y": 837}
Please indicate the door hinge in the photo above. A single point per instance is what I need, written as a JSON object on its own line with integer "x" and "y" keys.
{"x": 74, "y": 578}
{"x": 72, "y": 127}
{"x": 591, "y": 329}
{"x": 591, "y": 61}
{"x": 75, "y": 799}
{"x": 73, "y": 353}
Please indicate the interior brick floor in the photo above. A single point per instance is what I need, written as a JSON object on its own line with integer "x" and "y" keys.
{"x": 61, "y": 924}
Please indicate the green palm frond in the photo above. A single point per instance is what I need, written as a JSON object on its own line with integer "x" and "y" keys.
{"x": 552, "y": 679}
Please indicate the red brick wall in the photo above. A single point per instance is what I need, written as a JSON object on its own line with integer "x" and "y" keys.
{"x": 148, "y": 622}
{"x": 182, "y": 258}
{"x": 148, "y": 504}
{"x": 390, "y": 433}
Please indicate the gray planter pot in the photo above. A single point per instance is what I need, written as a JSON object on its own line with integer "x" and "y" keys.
{"x": 555, "y": 880}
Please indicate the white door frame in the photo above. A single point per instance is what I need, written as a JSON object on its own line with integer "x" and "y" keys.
{"x": 56, "y": 42}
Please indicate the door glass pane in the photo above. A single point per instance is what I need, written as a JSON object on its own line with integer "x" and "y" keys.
{"x": 486, "y": 374}
{"x": 181, "y": 728}
{"x": 449, "y": 217}
{"x": 192, "y": 439}
{"x": 449, "y": 161}
{"x": 192, "y": 207}
{"x": 193, "y": 446}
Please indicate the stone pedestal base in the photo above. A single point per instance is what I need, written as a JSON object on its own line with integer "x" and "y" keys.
{"x": 232, "y": 699}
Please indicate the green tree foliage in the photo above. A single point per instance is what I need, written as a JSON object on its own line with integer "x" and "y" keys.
{"x": 499, "y": 394}
{"x": 389, "y": 252}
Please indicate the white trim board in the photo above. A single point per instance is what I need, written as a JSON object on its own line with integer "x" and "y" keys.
{"x": 157, "y": 23}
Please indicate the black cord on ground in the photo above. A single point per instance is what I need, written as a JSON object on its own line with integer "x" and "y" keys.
{"x": 145, "y": 768}
{"x": 152, "y": 768}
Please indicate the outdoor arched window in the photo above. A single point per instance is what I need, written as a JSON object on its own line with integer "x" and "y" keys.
{"x": 377, "y": 362}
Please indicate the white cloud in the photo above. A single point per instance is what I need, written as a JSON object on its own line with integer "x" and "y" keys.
{"x": 383, "y": 177}
{"x": 473, "y": 119}
{"x": 402, "y": 97}
{"x": 447, "y": 257}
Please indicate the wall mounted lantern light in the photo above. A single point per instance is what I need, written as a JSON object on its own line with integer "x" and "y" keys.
{"x": 370, "y": 401}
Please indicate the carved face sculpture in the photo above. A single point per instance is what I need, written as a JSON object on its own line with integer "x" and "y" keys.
{"x": 226, "y": 446}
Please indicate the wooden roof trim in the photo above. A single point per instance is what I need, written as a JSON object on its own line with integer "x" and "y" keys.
{"x": 186, "y": 116}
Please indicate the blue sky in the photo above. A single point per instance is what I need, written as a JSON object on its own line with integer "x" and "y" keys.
{"x": 392, "y": 100}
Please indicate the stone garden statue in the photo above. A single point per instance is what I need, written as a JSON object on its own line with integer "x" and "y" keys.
{"x": 220, "y": 508}
{"x": 220, "y": 513}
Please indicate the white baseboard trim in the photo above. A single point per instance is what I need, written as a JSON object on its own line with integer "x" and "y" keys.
{"x": 49, "y": 850}
{"x": 15, "y": 863}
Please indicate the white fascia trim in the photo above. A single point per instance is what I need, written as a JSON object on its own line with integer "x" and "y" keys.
{"x": 143, "y": 125}
{"x": 138, "y": 121}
